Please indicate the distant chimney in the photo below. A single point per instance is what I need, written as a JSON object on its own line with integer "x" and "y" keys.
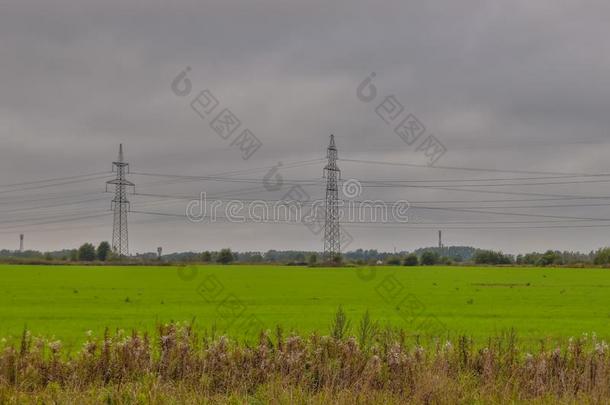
{"x": 159, "y": 251}
{"x": 21, "y": 243}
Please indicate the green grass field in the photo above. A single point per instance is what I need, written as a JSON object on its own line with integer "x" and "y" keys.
{"x": 66, "y": 301}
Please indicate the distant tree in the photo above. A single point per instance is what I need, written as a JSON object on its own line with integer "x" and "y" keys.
{"x": 86, "y": 253}
{"x": 206, "y": 257}
{"x": 429, "y": 258}
{"x": 531, "y": 259}
{"x": 313, "y": 259}
{"x": 103, "y": 251}
{"x": 445, "y": 260}
{"x": 602, "y": 256}
{"x": 225, "y": 256}
{"x": 411, "y": 260}
{"x": 256, "y": 258}
{"x": 337, "y": 259}
{"x": 549, "y": 258}
{"x": 271, "y": 256}
{"x": 393, "y": 261}
{"x": 73, "y": 255}
{"x": 455, "y": 253}
{"x": 491, "y": 257}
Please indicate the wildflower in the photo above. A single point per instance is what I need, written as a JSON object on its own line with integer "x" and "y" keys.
{"x": 601, "y": 348}
{"x": 375, "y": 364}
{"x": 55, "y": 346}
{"x": 395, "y": 355}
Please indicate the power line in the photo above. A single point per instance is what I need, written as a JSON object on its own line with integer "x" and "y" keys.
{"x": 478, "y": 179}
{"x": 219, "y": 176}
{"x": 406, "y": 225}
{"x": 70, "y": 219}
{"x": 43, "y": 207}
{"x": 413, "y": 204}
{"x": 46, "y": 197}
{"x": 395, "y": 185}
{"x": 476, "y": 169}
{"x": 412, "y": 228}
{"x": 53, "y": 179}
{"x": 54, "y": 184}
{"x": 372, "y": 183}
{"x": 475, "y": 211}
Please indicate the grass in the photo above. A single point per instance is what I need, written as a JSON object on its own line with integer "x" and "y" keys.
{"x": 540, "y": 303}
{"x": 348, "y": 335}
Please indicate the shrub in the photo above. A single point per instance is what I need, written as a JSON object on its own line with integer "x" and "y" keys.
{"x": 602, "y": 256}
{"x": 549, "y": 258}
{"x": 103, "y": 251}
{"x": 411, "y": 260}
{"x": 313, "y": 259}
{"x": 337, "y": 259}
{"x": 86, "y": 253}
{"x": 225, "y": 256}
{"x": 206, "y": 257}
{"x": 393, "y": 261}
{"x": 491, "y": 257}
{"x": 429, "y": 258}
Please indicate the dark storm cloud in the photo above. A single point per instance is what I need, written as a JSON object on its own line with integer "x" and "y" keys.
{"x": 519, "y": 85}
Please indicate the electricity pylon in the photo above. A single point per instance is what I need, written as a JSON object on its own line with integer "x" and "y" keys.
{"x": 332, "y": 231}
{"x": 120, "y": 206}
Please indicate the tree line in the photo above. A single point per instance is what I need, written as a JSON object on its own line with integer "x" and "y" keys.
{"x": 450, "y": 255}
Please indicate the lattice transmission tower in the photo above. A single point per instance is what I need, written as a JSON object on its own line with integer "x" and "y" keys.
{"x": 120, "y": 206}
{"x": 332, "y": 231}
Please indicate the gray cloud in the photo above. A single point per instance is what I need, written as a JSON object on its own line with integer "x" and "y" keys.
{"x": 516, "y": 85}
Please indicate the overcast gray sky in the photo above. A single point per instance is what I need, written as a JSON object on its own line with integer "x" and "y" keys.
{"x": 516, "y": 85}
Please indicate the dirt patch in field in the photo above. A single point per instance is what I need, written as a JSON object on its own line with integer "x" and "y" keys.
{"x": 506, "y": 285}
